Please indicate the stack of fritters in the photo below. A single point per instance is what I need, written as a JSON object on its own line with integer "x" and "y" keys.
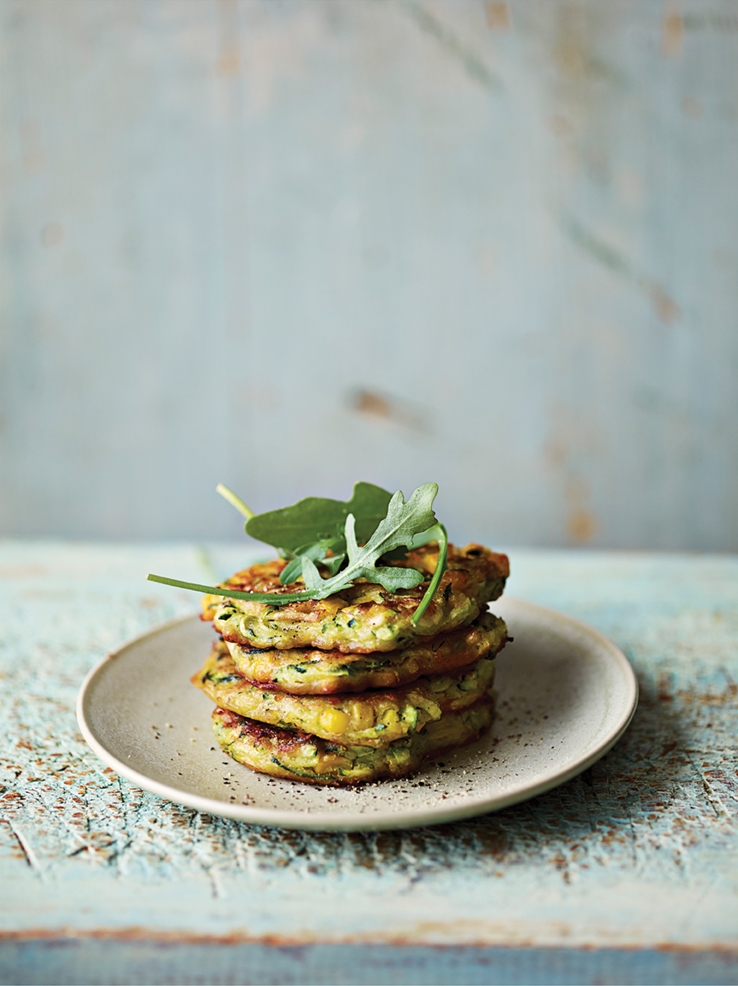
{"x": 346, "y": 689}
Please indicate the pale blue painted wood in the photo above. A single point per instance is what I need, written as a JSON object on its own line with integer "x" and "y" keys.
{"x": 289, "y": 245}
{"x": 625, "y": 874}
{"x": 135, "y": 962}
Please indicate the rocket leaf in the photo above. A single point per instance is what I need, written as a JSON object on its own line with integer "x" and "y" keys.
{"x": 315, "y": 552}
{"x": 407, "y": 524}
{"x": 314, "y": 526}
{"x": 399, "y": 527}
{"x": 318, "y": 518}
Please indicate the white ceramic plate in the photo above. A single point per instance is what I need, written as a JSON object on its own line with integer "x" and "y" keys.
{"x": 566, "y": 695}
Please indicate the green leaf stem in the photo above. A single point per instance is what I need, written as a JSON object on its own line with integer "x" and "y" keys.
{"x": 438, "y": 533}
{"x": 235, "y": 501}
{"x": 215, "y": 590}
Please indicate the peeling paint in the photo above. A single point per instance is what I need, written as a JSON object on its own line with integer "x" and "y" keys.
{"x": 229, "y": 58}
{"x": 575, "y": 60}
{"x": 374, "y": 404}
{"x": 672, "y": 31}
{"x": 582, "y": 525}
{"x": 498, "y": 15}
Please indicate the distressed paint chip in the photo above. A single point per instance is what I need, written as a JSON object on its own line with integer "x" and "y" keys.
{"x": 672, "y": 31}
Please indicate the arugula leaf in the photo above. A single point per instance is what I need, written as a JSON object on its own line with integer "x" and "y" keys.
{"x": 315, "y": 525}
{"x": 316, "y": 552}
{"x": 320, "y": 519}
{"x": 399, "y": 527}
{"x": 405, "y": 524}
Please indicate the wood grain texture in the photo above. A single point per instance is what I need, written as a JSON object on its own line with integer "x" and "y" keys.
{"x": 289, "y": 245}
{"x": 636, "y": 856}
{"x": 126, "y": 962}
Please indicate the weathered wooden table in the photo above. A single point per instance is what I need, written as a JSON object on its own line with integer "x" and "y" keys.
{"x": 627, "y": 874}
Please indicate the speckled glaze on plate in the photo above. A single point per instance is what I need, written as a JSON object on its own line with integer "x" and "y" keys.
{"x": 565, "y": 696}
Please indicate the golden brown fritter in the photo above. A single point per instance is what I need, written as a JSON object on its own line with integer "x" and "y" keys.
{"x": 374, "y": 718}
{"x": 309, "y": 671}
{"x": 363, "y": 618}
{"x": 300, "y": 757}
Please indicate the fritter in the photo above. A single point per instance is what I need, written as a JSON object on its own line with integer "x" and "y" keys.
{"x": 300, "y": 757}
{"x": 309, "y": 671}
{"x": 374, "y": 719}
{"x": 363, "y": 618}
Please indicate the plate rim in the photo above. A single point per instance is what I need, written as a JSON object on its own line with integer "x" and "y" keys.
{"x": 355, "y": 821}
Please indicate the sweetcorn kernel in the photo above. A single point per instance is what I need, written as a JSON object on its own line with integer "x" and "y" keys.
{"x": 334, "y": 720}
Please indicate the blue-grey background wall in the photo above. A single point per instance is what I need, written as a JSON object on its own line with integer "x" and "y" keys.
{"x": 287, "y": 245}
